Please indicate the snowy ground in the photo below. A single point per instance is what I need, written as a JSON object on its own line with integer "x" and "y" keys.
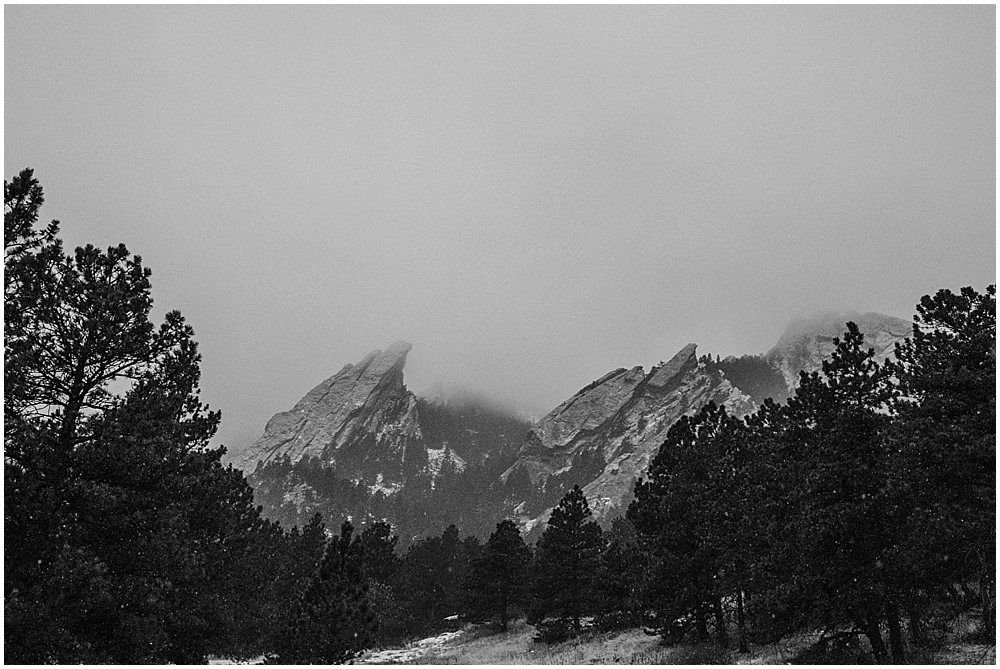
{"x": 410, "y": 653}
{"x": 223, "y": 660}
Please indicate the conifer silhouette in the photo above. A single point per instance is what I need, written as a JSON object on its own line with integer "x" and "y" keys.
{"x": 333, "y": 621}
{"x": 566, "y": 567}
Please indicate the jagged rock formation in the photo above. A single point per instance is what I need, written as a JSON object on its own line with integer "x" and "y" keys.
{"x": 806, "y": 342}
{"x": 380, "y": 438}
{"x": 362, "y": 420}
{"x": 622, "y": 418}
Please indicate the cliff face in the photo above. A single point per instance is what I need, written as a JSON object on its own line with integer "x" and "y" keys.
{"x": 806, "y": 342}
{"x": 622, "y": 418}
{"x": 578, "y": 425}
{"x": 362, "y": 420}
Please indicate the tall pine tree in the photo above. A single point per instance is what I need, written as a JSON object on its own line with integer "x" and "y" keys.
{"x": 566, "y": 566}
{"x": 685, "y": 513}
{"x": 498, "y": 580}
{"x": 126, "y": 540}
{"x": 944, "y": 461}
{"x": 833, "y": 522}
{"x": 332, "y": 622}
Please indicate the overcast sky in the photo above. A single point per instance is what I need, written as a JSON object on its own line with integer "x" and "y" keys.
{"x": 531, "y": 195}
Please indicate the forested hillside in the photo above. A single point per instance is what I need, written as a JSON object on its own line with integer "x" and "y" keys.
{"x": 469, "y": 443}
{"x": 862, "y": 507}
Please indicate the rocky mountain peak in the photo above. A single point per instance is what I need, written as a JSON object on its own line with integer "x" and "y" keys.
{"x": 806, "y": 342}
{"x": 589, "y": 408}
{"x": 663, "y": 375}
{"x": 361, "y": 413}
{"x": 605, "y": 435}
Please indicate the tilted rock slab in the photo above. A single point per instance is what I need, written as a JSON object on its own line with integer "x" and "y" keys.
{"x": 362, "y": 420}
{"x": 624, "y": 416}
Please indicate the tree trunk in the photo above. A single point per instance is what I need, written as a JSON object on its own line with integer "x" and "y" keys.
{"x": 700, "y": 622}
{"x": 720, "y": 623}
{"x": 741, "y": 623}
{"x": 916, "y": 624}
{"x": 895, "y": 632}
{"x": 874, "y": 635}
{"x": 987, "y": 594}
{"x": 503, "y": 617}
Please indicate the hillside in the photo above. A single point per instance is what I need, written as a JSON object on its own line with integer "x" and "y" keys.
{"x": 475, "y": 645}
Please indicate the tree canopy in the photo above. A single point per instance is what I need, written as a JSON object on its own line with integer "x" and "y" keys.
{"x": 126, "y": 540}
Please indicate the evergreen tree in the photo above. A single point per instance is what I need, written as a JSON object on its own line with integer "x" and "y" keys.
{"x": 498, "y": 579}
{"x": 378, "y": 552}
{"x": 686, "y": 514}
{"x": 332, "y": 622}
{"x": 126, "y": 540}
{"x": 431, "y": 577}
{"x": 380, "y": 566}
{"x": 945, "y": 452}
{"x": 623, "y": 569}
{"x": 566, "y": 566}
{"x": 834, "y": 526}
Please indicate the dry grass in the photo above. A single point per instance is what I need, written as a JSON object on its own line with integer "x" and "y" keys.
{"x": 518, "y": 647}
{"x": 480, "y": 645}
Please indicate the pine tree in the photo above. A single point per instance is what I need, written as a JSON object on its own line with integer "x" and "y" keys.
{"x": 833, "y": 527}
{"x": 945, "y": 452}
{"x": 623, "y": 570}
{"x": 566, "y": 566}
{"x": 380, "y": 566}
{"x": 687, "y": 515}
{"x": 431, "y": 577}
{"x": 499, "y": 578}
{"x": 126, "y": 541}
{"x": 378, "y": 552}
{"x": 333, "y": 622}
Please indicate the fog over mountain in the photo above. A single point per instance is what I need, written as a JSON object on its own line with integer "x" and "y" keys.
{"x": 530, "y": 195}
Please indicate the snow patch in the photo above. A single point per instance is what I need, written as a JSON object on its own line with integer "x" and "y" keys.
{"x": 386, "y": 489}
{"x": 411, "y": 652}
{"x": 436, "y": 458}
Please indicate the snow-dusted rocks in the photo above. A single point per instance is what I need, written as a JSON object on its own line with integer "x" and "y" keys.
{"x": 623, "y": 417}
{"x": 569, "y": 429}
{"x": 806, "y": 342}
{"x": 362, "y": 419}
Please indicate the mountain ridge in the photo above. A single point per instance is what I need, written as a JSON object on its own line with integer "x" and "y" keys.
{"x": 365, "y": 425}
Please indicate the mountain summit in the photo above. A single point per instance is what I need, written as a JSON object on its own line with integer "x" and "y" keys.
{"x": 362, "y": 420}
{"x": 604, "y": 436}
{"x": 806, "y": 342}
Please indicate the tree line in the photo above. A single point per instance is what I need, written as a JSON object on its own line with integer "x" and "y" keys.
{"x": 863, "y": 505}
{"x": 125, "y": 539}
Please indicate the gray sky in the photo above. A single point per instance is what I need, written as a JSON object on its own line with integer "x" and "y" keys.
{"x": 531, "y": 195}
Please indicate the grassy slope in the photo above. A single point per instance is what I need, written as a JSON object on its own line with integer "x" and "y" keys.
{"x": 483, "y": 646}
{"x": 516, "y": 647}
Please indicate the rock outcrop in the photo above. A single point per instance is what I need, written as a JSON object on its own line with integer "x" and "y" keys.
{"x": 806, "y": 342}
{"x": 362, "y": 420}
{"x": 621, "y": 420}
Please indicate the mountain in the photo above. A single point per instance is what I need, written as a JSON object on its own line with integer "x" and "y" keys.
{"x": 361, "y": 421}
{"x": 361, "y": 445}
{"x": 806, "y": 342}
{"x": 605, "y": 435}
